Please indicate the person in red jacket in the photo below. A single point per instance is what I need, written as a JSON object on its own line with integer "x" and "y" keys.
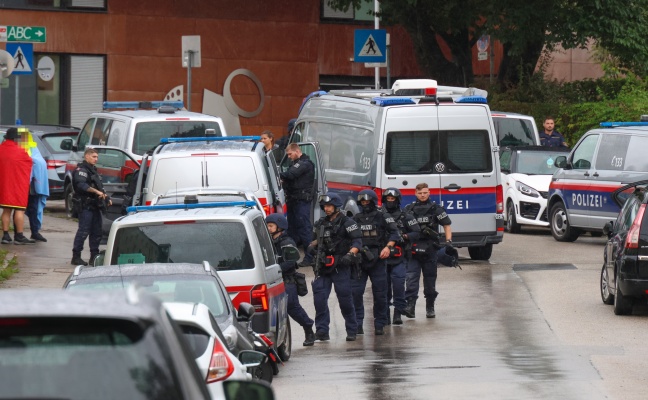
{"x": 15, "y": 174}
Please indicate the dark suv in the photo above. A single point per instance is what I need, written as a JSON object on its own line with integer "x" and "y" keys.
{"x": 624, "y": 277}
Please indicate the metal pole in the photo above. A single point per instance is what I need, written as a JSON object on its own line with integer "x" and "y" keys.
{"x": 492, "y": 62}
{"x": 388, "y": 64}
{"x": 16, "y": 109}
{"x": 376, "y": 26}
{"x": 189, "y": 62}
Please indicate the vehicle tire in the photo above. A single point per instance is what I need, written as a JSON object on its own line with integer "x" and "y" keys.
{"x": 622, "y": 304}
{"x": 263, "y": 372}
{"x": 606, "y": 295}
{"x": 285, "y": 350}
{"x": 481, "y": 252}
{"x": 67, "y": 196}
{"x": 561, "y": 230}
{"x": 511, "y": 222}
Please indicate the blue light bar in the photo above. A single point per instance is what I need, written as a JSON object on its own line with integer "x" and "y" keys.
{"x": 613, "y": 124}
{"x": 392, "y": 101}
{"x": 141, "y": 104}
{"x": 472, "y": 99}
{"x": 208, "y": 139}
{"x": 183, "y": 206}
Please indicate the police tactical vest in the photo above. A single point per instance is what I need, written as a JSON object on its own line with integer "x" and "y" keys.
{"x": 424, "y": 214}
{"x": 373, "y": 228}
{"x": 333, "y": 238}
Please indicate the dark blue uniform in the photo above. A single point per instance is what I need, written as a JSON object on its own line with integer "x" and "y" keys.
{"x": 378, "y": 228}
{"x": 335, "y": 239}
{"x": 429, "y": 216}
{"x": 299, "y": 180}
{"x": 556, "y": 139}
{"x": 85, "y": 176}
{"x": 288, "y": 269}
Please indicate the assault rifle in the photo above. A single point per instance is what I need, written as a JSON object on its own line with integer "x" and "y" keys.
{"x": 319, "y": 258}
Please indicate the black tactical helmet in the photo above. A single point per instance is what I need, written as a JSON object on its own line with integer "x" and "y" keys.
{"x": 368, "y": 194}
{"x": 392, "y": 191}
{"x": 332, "y": 199}
{"x": 279, "y": 220}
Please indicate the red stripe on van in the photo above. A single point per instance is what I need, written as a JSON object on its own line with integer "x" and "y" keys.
{"x": 479, "y": 190}
{"x": 576, "y": 186}
{"x": 346, "y": 186}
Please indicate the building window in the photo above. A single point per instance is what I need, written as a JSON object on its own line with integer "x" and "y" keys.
{"x": 68, "y": 5}
{"x": 363, "y": 14}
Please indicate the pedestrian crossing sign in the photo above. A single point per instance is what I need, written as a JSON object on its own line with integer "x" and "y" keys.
{"x": 370, "y": 46}
{"x": 23, "y": 58}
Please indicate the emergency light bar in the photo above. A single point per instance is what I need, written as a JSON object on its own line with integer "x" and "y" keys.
{"x": 192, "y": 206}
{"x": 208, "y": 139}
{"x": 613, "y": 124}
{"x": 472, "y": 99}
{"x": 392, "y": 101}
{"x": 141, "y": 104}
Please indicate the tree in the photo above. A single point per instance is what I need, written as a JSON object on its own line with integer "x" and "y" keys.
{"x": 523, "y": 27}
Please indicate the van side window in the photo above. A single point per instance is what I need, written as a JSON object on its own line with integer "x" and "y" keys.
{"x": 584, "y": 153}
{"x": 636, "y": 159}
{"x": 466, "y": 151}
{"x": 100, "y": 132}
{"x": 505, "y": 160}
{"x": 84, "y": 136}
{"x": 267, "y": 250}
{"x": 612, "y": 152}
{"x": 409, "y": 152}
{"x": 514, "y": 131}
{"x": 297, "y": 133}
{"x": 117, "y": 132}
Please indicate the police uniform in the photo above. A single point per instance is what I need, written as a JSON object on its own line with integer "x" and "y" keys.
{"x": 424, "y": 253}
{"x": 399, "y": 259}
{"x": 335, "y": 239}
{"x": 298, "y": 184}
{"x": 378, "y": 228}
{"x": 85, "y": 176}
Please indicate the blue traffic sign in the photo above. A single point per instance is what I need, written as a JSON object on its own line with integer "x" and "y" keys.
{"x": 23, "y": 55}
{"x": 370, "y": 45}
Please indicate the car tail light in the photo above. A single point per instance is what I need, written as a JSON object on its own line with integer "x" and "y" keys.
{"x": 431, "y": 91}
{"x": 220, "y": 366}
{"x": 259, "y": 297}
{"x": 53, "y": 164}
{"x": 632, "y": 240}
{"x": 14, "y": 322}
{"x": 267, "y": 209}
{"x": 499, "y": 199}
{"x": 266, "y": 339}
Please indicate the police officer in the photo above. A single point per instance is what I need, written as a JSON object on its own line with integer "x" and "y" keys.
{"x": 298, "y": 182}
{"x": 379, "y": 235}
{"x": 90, "y": 192}
{"x": 277, "y": 227}
{"x": 424, "y": 251}
{"x": 337, "y": 243}
{"x": 400, "y": 253}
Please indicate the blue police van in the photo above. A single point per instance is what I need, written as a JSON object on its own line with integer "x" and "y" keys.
{"x": 603, "y": 160}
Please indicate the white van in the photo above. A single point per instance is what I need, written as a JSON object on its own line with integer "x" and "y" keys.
{"x": 375, "y": 139}
{"x": 222, "y": 162}
{"x": 515, "y": 129}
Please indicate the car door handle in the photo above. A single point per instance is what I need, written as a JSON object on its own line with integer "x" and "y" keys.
{"x": 452, "y": 186}
{"x": 595, "y": 174}
{"x": 586, "y": 174}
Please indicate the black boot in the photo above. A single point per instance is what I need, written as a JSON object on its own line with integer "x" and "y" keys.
{"x": 76, "y": 259}
{"x": 409, "y": 310}
{"x": 310, "y": 336}
{"x": 397, "y": 318}
{"x": 429, "y": 308}
{"x": 92, "y": 258}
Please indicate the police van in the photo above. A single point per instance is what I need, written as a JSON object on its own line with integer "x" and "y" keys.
{"x": 416, "y": 132}
{"x": 603, "y": 160}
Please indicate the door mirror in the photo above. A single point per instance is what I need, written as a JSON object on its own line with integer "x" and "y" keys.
{"x": 66, "y": 144}
{"x": 608, "y": 228}
{"x": 99, "y": 260}
{"x": 561, "y": 162}
{"x": 290, "y": 253}
{"x": 245, "y": 312}
{"x": 258, "y": 390}
{"x": 251, "y": 358}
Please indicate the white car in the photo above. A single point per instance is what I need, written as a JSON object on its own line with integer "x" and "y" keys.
{"x": 207, "y": 343}
{"x": 526, "y": 175}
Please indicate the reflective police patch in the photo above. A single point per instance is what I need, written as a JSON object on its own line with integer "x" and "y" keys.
{"x": 442, "y": 216}
{"x": 352, "y": 228}
{"x": 412, "y": 222}
{"x": 390, "y": 220}
{"x": 296, "y": 165}
{"x": 83, "y": 174}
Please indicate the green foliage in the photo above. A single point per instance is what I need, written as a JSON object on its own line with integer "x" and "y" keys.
{"x": 7, "y": 267}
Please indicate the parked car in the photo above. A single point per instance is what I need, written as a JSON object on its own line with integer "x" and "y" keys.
{"x": 624, "y": 277}
{"x": 515, "y": 129}
{"x": 526, "y": 175}
{"x": 207, "y": 343}
{"x": 49, "y": 139}
{"x": 104, "y": 345}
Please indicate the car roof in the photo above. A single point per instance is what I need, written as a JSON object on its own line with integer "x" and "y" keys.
{"x": 622, "y": 129}
{"x": 201, "y": 214}
{"x": 148, "y": 269}
{"x": 131, "y": 304}
{"x": 539, "y": 148}
{"x": 154, "y": 115}
{"x": 509, "y": 114}
{"x": 40, "y": 130}
{"x": 228, "y": 146}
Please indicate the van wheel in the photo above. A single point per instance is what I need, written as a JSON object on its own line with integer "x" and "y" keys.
{"x": 622, "y": 304}
{"x": 561, "y": 229}
{"x": 481, "y": 252}
{"x": 511, "y": 223}
{"x": 606, "y": 295}
{"x": 67, "y": 195}
{"x": 285, "y": 350}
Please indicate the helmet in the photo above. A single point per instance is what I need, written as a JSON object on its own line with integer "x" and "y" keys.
{"x": 392, "y": 191}
{"x": 279, "y": 220}
{"x": 368, "y": 194}
{"x": 332, "y": 199}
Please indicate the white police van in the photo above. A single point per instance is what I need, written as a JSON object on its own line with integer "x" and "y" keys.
{"x": 603, "y": 160}
{"x": 416, "y": 132}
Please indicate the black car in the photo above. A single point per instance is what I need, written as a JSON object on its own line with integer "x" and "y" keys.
{"x": 49, "y": 138}
{"x": 624, "y": 277}
{"x": 58, "y": 344}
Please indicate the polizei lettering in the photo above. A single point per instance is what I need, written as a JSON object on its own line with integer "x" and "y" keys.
{"x": 455, "y": 204}
{"x": 587, "y": 200}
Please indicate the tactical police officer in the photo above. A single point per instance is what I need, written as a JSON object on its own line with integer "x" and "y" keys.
{"x": 400, "y": 254}
{"x": 277, "y": 227}
{"x": 336, "y": 247}
{"x": 379, "y": 235}
{"x": 298, "y": 181}
{"x": 90, "y": 198}
{"x": 424, "y": 251}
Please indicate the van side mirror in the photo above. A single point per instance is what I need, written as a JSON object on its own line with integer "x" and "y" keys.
{"x": 561, "y": 162}
{"x": 66, "y": 144}
{"x": 290, "y": 253}
{"x": 245, "y": 312}
{"x": 251, "y": 358}
{"x": 608, "y": 228}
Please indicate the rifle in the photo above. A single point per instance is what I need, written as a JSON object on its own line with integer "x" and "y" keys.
{"x": 320, "y": 252}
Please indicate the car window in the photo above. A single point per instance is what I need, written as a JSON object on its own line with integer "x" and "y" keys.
{"x": 114, "y": 166}
{"x": 148, "y": 134}
{"x": 267, "y": 249}
{"x": 636, "y": 159}
{"x": 513, "y": 131}
{"x": 584, "y": 153}
{"x": 76, "y": 358}
{"x": 627, "y": 214}
{"x": 117, "y": 133}
{"x": 100, "y": 132}
{"x": 612, "y": 152}
{"x": 505, "y": 160}
{"x": 53, "y": 141}
{"x": 84, "y": 136}
{"x": 536, "y": 162}
{"x": 224, "y": 244}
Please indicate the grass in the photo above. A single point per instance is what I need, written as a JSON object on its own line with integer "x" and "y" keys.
{"x": 9, "y": 266}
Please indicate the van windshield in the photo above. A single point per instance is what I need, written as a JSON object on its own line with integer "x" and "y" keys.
{"x": 514, "y": 131}
{"x": 148, "y": 134}
{"x": 223, "y": 244}
{"x": 419, "y": 152}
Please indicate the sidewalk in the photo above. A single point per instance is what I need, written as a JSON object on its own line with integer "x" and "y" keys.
{"x": 45, "y": 265}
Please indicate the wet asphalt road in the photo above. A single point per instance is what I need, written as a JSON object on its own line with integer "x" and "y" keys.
{"x": 504, "y": 330}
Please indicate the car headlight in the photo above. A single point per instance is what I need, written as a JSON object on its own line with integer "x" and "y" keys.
{"x": 526, "y": 190}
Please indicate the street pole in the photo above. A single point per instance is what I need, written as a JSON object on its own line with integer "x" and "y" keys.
{"x": 17, "y": 97}
{"x": 492, "y": 62}
{"x": 189, "y": 62}
{"x": 376, "y": 26}
{"x": 388, "y": 62}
